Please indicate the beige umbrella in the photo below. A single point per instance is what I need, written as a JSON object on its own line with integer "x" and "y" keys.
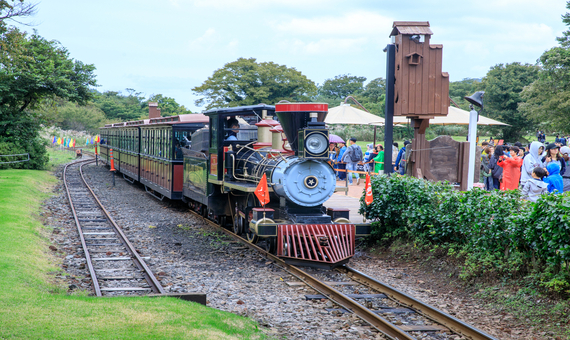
{"x": 455, "y": 116}
{"x": 346, "y": 114}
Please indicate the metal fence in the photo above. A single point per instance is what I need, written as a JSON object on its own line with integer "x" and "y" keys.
{"x": 16, "y": 155}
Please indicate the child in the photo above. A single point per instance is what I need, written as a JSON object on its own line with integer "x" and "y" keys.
{"x": 554, "y": 180}
{"x": 511, "y": 169}
{"x": 535, "y": 187}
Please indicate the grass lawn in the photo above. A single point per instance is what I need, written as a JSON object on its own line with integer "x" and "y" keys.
{"x": 32, "y": 306}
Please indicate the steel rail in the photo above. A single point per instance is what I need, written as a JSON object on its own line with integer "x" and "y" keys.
{"x": 140, "y": 263}
{"x": 430, "y": 312}
{"x": 96, "y": 286}
{"x": 379, "y": 323}
{"x": 382, "y": 325}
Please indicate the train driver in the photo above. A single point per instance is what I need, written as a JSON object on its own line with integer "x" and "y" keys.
{"x": 234, "y": 125}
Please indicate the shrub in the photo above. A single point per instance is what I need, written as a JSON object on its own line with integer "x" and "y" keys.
{"x": 501, "y": 232}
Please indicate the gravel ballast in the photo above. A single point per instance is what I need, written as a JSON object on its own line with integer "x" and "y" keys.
{"x": 189, "y": 256}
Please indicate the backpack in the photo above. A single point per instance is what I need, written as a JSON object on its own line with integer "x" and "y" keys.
{"x": 356, "y": 154}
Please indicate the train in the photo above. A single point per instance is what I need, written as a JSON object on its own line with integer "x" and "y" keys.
{"x": 214, "y": 161}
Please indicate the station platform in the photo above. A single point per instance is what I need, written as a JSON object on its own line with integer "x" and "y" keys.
{"x": 348, "y": 200}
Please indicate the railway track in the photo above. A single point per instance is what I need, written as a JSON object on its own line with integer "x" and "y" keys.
{"x": 114, "y": 265}
{"x": 389, "y": 311}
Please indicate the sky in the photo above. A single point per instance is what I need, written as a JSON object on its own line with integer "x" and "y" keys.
{"x": 169, "y": 47}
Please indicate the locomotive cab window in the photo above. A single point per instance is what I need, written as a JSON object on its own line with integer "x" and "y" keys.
{"x": 240, "y": 128}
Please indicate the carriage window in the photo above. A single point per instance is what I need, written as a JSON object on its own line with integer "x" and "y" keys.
{"x": 182, "y": 139}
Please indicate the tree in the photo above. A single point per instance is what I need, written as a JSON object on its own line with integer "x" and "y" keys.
{"x": 503, "y": 85}
{"x": 246, "y": 82}
{"x": 373, "y": 97}
{"x": 118, "y": 107}
{"x": 547, "y": 100}
{"x": 466, "y": 87}
{"x": 33, "y": 69}
{"x": 342, "y": 86}
{"x": 13, "y": 10}
{"x": 70, "y": 116}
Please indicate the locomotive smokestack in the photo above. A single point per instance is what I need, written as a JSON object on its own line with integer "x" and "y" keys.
{"x": 296, "y": 116}
{"x": 153, "y": 110}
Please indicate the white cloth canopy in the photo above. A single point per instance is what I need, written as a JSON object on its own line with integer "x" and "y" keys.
{"x": 346, "y": 114}
{"x": 455, "y": 116}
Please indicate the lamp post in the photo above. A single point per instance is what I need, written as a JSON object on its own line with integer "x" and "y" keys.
{"x": 475, "y": 100}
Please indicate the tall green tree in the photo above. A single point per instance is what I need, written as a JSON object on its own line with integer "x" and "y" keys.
{"x": 71, "y": 116}
{"x": 247, "y": 82}
{"x": 373, "y": 98}
{"x": 547, "y": 100}
{"x": 503, "y": 85}
{"x": 466, "y": 87}
{"x": 119, "y": 107}
{"x": 342, "y": 86}
{"x": 33, "y": 69}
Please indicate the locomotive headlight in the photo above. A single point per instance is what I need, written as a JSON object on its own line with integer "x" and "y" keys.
{"x": 316, "y": 143}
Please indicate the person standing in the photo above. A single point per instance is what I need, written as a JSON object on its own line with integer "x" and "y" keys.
{"x": 401, "y": 159}
{"x": 351, "y": 157}
{"x": 340, "y": 164}
{"x": 496, "y": 171}
{"x": 368, "y": 166}
{"x": 565, "y": 153}
{"x": 395, "y": 151}
{"x": 511, "y": 169}
{"x": 553, "y": 156}
{"x": 485, "y": 172}
{"x": 554, "y": 180}
{"x": 379, "y": 160}
{"x": 530, "y": 161}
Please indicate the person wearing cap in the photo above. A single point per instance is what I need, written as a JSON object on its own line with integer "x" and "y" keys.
{"x": 565, "y": 152}
{"x": 553, "y": 156}
{"x": 351, "y": 157}
{"x": 401, "y": 160}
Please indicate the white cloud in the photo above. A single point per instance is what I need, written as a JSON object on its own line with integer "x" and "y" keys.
{"x": 207, "y": 40}
{"x": 355, "y": 23}
{"x": 248, "y": 4}
{"x": 326, "y": 46}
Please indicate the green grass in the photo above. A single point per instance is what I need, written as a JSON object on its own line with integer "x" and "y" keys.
{"x": 57, "y": 157}
{"x": 32, "y": 306}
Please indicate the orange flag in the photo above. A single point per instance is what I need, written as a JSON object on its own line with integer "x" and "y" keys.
{"x": 368, "y": 186}
{"x": 262, "y": 191}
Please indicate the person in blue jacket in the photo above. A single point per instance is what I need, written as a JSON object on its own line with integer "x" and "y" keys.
{"x": 401, "y": 159}
{"x": 554, "y": 180}
{"x": 341, "y": 166}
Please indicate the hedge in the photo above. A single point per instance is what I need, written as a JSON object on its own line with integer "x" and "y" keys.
{"x": 492, "y": 225}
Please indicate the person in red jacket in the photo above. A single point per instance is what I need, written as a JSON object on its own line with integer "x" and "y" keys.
{"x": 511, "y": 169}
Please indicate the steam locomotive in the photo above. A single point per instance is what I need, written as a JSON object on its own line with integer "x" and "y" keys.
{"x": 214, "y": 161}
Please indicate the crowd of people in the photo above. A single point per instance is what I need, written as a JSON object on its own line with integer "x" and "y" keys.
{"x": 343, "y": 158}
{"x": 535, "y": 169}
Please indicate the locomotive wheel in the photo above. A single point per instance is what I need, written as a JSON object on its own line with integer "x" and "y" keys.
{"x": 251, "y": 237}
{"x": 271, "y": 245}
{"x": 238, "y": 224}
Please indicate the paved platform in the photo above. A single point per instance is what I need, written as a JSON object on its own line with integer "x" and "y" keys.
{"x": 351, "y": 200}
